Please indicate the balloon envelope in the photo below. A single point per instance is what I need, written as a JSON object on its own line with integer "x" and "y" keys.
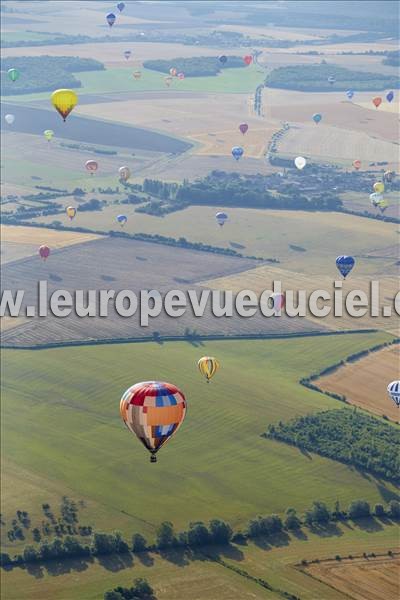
{"x": 377, "y": 101}
{"x": 48, "y": 134}
{"x": 317, "y": 117}
{"x": 120, "y": 6}
{"x": 9, "y": 119}
{"x": 349, "y": 94}
{"x": 44, "y": 252}
{"x": 300, "y": 162}
{"x": 345, "y": 264}
{"x": 181, "y": 75}
{"x": 168, "y": 81}
{"x": 379, "y": 187}
{"x": 221, "y": 218}
{"x": 64, "y": 101}
{"x": 13, "y": 74}
{"x": 243, "y": 127}
{"x": 71, "y": 212}
{"x": 122, "y": 219}
{"x": 110, "y": 18}
{"x": 331, "y": 79}
{"x": 153, "y": 411}
{"x": 357, "y": 164}
{"x": 127, "y": 54}
{"x": 173, "y": 71}
{"x": 91, "y": 165}
{"x": 394, "y": 392}
{"x": 237, "y": 152}
{"x": 278, "y": 302}
{"x": 124, "y": 173}
{"x": 223, "y": 59}
{"x": 390, "y": 96}
{"x": 137, "y": 74}
{"x": 208, "y": 366}
{"x": 248, "y": 59}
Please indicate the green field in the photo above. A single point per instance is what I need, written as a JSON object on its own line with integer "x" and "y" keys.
{"x": 63, "y": 405}
{"x": 229, "y": 81}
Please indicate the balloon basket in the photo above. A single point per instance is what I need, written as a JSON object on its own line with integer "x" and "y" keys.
{"x": 153, "y": 458}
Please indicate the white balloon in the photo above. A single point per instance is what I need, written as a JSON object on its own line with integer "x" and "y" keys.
{"x": 9, "y": 119}
{"x": 300, "y": 162}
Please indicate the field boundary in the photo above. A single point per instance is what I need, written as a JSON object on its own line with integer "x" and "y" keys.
{"x": 193, "y": 339}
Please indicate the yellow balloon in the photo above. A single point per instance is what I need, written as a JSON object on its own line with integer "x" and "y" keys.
{"x": 208, "y": 366}
{"x": 64, "y": 101}
{"x": 379, "y": 187}
{"x": 48, "y": 134}
{"x": 71, "y": 212}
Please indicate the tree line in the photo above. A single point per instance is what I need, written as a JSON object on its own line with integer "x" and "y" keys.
{"x": 345, "y": 435}
{"x": 197, "y": 66}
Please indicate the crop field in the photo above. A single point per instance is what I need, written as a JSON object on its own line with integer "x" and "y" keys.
{"x": 361, "y": 381}
{"x": 21, "y": 242}
{"x": 371, "y": 579}
{"x": 80, "y": 387}
{"x": 359, "y": 202}
{"x": 136, "y": 266}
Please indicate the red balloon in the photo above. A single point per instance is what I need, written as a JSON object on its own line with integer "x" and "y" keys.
{"x": 44, "y": 252}
{"x": 377, "y": 101}
{"x": 248, "y": 59}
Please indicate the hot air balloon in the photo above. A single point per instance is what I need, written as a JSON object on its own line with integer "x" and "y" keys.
{"x": 317, "y": 118}
{"x": 389, "y": 96}
{"x": 110, "y": 18}
{"x": 237, "y": 152}
{"x": 388, "y": 176}
{"x": 127, "y": 54}
{"x": 153, "y": 411}
{"x": 44, "y": 252}
{"x": 222, "y": 59}
{"x": 377, "y": 101}
{"x": 181, "y": 75}
{"x": 173, "y": 71}
{"x": 71, "y": 212}
{"x": 300, "y": 162}
{"x": 9, "y": 119}
{"x": 379, "y": 187}
{"x": 91, "y": 166}
{"x": 13, "y": 74}
{"x": 331, "y": 79}
{"x": 48, "y": 134}
{"x": 124, "y": 173}
{"x": 394, "y": 392}
{"x": 349, "y": 94}
{"x": 168, "y": 81}
{"x": 137, "y": 74}
{"x": 248, "y": 59}
{"x": 345, "y": 265}
{"x": 120, "y": 6}
{"x": 122, "y": 220}
{"x": 64, "y": 101}
{"x": 357, "y": 164}
{"x": 243, "y": 127}
{"x": 378, "y": 201}
{"x": 221, "y": 217}
{"x": 208, "y": 366}
{"x": 278, "y": 302}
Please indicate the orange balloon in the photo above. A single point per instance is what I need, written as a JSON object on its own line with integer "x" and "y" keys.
{"x": 377, "y": 101}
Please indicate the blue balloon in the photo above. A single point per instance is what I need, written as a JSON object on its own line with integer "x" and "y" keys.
{"x": 122, "y": 219}
{"x": 111, "y": 19}
{"x": 317, "y": 117}
{"x": 223, "y": 59}
{"x": 345, "y": 265}
{"x": 121, "y": 6}
{"x": 349, "y": 94}
{"x": 389, "y": 96}
{"x": 237, "y": 152}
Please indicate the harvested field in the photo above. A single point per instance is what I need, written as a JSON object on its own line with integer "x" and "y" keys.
{"x": 128, "y": 264}
{"x": 21, "y": 242}
{"x": 360, "y": 579}
{"x": 372, "y": 373}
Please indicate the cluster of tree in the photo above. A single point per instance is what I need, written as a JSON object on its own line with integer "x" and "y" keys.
{"x": 160, "y": 189}
{"x": 392, "y": 58}
{"x": 198, "y": 66}
{"x": 91, "y": 205}
{"x": 43, "y": 73}
{"x": 141, "y": 590}
{"x": 314, "y": 78}
{"x": 76, "y": 146}
{"x": 347, "y": 436}
{"x": 258, "y": 100}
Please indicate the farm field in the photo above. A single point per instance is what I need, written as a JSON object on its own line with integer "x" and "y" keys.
{"x": 372, "y": 579}
{"x": 353, "y": 379}
{"x": 21, "y": 242}
{"x": 357, "y": 201}
{"x": 173, "y": 576}
{"x": 80, "y": 387}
